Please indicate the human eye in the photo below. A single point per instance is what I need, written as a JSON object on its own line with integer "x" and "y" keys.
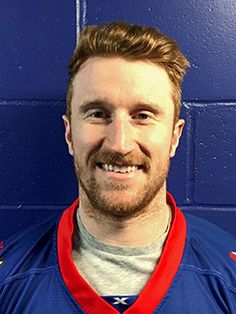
{"x": 98, "y": 115}
{"x": 142, "y": 117}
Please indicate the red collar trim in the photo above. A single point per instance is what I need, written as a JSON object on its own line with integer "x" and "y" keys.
{"x": 154, "y": 290}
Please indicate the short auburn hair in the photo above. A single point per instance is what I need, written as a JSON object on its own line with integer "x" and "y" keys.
{"x": 134, "y": 43}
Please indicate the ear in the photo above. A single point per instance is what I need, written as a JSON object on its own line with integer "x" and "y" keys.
{"x": 176, "y": 136}
{"x": 68, "y": 134}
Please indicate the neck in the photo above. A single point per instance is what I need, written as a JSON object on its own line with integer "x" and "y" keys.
{"x": 133, "y": 231}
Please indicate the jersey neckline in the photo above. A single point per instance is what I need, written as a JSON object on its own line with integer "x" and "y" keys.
{"x": 154, "y": 290}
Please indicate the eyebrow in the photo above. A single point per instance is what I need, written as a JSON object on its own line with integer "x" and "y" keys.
{"x": 106, "y": 105}
{"x": 94, "y": 104}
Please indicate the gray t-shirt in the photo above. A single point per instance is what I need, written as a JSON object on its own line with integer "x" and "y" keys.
{"x": 115, "y": 270}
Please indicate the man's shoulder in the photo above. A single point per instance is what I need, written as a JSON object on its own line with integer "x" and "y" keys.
{"x": 33, "y": 248}
{"x": 210, "y": 250}
{"x": 199, "y": 227}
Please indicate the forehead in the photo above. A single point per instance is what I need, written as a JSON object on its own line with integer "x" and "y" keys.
{"x": 122, "y": 82}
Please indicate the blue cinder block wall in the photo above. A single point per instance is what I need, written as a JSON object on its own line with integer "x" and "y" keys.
{"x": 38, "y": 37}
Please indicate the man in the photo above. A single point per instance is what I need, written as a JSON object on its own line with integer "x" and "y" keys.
{"x": 124, "y": 246}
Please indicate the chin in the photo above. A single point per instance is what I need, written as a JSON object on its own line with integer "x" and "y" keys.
{"x": 118, "y": 205}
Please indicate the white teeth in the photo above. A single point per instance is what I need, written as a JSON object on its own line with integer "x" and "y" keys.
{"x": 119, "y": 169}
{"x": 123, "y": 169}
{"x": 116, "y": 169}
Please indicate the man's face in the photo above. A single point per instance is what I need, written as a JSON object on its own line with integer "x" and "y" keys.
{"x": 121, "y": 134}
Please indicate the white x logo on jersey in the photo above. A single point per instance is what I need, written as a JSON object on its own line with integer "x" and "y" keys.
{"x": 120, "y": 301}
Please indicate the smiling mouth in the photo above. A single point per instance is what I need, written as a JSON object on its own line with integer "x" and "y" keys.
{"x": 118, "y": 169}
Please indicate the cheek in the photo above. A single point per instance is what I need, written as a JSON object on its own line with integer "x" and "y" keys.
{"x": 85, "y": 139}
{"x": 158, "y": 140}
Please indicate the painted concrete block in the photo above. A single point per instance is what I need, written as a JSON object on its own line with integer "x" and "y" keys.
{"x": 36, "y": 40}
{"x": 215, "y": 153}
{"x": 35, "y": 166}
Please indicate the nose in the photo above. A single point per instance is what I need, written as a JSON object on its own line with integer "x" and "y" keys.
{"x": 120, "y": 136}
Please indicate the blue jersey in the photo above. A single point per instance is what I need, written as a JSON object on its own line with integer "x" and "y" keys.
{"x": 195, "y": 274}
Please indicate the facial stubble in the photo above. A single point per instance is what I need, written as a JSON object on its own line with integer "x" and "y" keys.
{"x": 120, "y": 207}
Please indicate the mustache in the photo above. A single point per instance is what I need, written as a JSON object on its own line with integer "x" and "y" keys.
{"x": 114, "y": 158}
